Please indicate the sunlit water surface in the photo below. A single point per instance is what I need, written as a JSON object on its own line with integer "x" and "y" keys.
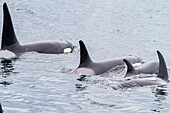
{"x": 37, "y": 83}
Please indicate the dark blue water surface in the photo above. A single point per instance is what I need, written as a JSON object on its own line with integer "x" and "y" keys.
{"x": 43, "y": 83}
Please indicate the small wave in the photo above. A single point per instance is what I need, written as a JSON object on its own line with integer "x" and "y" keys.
{"x": 66, "y": 70}
{"x": 25, "y": 10}
{"x": 102, "y": 104}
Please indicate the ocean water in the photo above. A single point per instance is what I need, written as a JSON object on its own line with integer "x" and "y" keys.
{"x": 43, "y": 83}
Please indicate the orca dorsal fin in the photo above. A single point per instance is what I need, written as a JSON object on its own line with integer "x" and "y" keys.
{"x": 130, "y": 68}
{"x": 163, "y": 73}
{"x": 84, "y": 56}
{"x": 1, "y": 111}
{"x": 8, "y": 34}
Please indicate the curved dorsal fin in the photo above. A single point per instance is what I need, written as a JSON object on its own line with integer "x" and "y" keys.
{"x": 163, "y": 73}
{"x": 8, "y": 34}
{"x": 84, "y": 56}
{"x": 130, "y": 68}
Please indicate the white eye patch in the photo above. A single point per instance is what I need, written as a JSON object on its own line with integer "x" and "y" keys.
{"x": 136, "y": 64}
{"x": 67, "y": 50}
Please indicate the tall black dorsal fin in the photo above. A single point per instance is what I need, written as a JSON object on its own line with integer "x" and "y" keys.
{"x": 8, "y": 34}
{"x": 84, "y": 56}
{"x": 130, "y": 68}
{"x": 1, "y": 111}
{"x": 163, "y": 73}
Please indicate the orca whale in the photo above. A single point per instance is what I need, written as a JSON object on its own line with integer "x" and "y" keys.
{"x": 11, "y": 43}
{"x": 160, "y": 80}
{"x": 88, "y": 67}
{"x": 151, "y": 67}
